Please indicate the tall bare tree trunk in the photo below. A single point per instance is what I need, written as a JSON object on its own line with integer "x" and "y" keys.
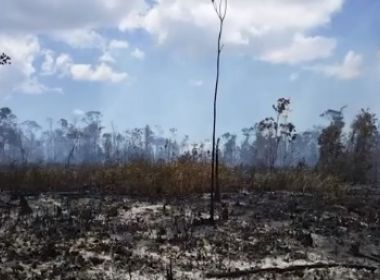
{"x": 221, "y": 12}
{"x": 217, "y": 186}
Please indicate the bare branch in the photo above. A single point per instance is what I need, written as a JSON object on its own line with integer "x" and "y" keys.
{"x": 215, "y": 7}
{"x": 220, "y": 9}
{"x": 225, "y": 10}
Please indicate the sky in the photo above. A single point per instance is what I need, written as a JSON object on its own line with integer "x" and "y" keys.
{"x": 153, "y": 61}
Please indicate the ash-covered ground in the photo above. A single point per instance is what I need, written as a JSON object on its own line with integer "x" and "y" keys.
{"x": 68, "y": 236}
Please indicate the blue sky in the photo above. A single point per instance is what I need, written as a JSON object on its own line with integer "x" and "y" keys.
{"x": 153, "y": 62}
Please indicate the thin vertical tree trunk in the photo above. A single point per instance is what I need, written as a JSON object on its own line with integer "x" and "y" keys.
{"x": 212, "y": 188}
{"x": 217, "y": 186}
{"x": 221, "y": 15}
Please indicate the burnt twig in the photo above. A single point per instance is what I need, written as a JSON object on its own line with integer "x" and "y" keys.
{"x": 279, "y": 270}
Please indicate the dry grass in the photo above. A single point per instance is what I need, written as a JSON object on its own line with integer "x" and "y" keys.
{"x": 175, "y": 178}
{"x": 300, "y": 181}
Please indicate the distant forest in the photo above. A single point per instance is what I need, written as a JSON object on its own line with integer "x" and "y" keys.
{"x": 269, "y": 144}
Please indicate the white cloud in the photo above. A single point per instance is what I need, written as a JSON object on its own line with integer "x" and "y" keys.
{"x": 21, "y": 75}
{"x": 277, "y": 31}
{"x": 137, "y": 53}
{"x": 59, "y": 16}
{"x": 113, "y": 49}
{"x": 272, "y": 23}
{"x": 75, "y": 23}
{"x": 54, "y": 64}
{"x": 64, "y": 66}
{"x": 107, "y": 57}
{"x": 260, "y": 27}
{"x": 349, "y": 69}
{"x": 81, "y": 38}
{"x": 302, "y": 49}
{"x": 117, "y": 44}
{"x": 33, "y": 86}
{"x": 102, "y": 72}
{"x": 47, "y": 65}
{"x": 22, "y": 50}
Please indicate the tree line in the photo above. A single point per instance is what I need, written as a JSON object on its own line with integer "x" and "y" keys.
{"x": 350, "y": 152}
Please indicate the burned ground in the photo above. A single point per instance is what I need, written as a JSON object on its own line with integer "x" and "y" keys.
{"x": 66, "y": 236}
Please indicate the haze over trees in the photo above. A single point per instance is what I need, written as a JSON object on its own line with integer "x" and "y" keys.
{"x": 350, "y": 152}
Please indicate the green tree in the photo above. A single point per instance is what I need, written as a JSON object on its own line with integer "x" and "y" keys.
{"x": 276, "y": 129}
{"x": 331, "y": 147}
{"x": 363, "y": 144}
